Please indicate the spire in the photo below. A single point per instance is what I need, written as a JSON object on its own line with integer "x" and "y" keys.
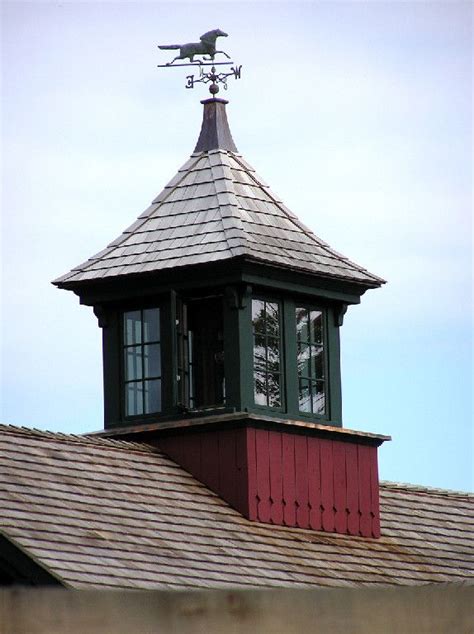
{"x": 215, "y": 133}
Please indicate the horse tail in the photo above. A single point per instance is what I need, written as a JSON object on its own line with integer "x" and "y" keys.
{"x": 169, "y": 47}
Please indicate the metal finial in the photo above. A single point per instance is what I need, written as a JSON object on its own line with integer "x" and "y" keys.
{"x": 206, "y": 46}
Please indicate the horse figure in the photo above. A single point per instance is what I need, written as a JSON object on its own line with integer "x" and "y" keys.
{"x": 207, "y": 46}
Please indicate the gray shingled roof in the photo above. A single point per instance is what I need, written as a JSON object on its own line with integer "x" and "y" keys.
{"x": 214, "y": 209}
{"x": 112, "y": 514}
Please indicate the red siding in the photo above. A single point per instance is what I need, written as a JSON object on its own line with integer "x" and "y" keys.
{"x": 286, "y": 478}
{"x": 314, "y": 484}
{"x": 352, "y": 489}
{"x": 289, "y": 481}
{"x": 276, "y": 477}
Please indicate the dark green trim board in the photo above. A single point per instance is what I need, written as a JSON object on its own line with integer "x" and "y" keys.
{"x": 18, "y": 568}
{"x": 333, "y": 361}
{"x": 289, "y": 344}
{"x": 111, "y": 368}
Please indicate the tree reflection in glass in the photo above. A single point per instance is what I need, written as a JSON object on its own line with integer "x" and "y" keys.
{"x": 310, "y": 361}
{"x": 266, "y": 353}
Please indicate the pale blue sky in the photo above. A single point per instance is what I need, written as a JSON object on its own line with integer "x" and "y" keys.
{"x": 359, "y": 115}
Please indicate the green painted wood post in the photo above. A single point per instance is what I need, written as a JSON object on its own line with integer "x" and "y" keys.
{"x": 289, "y": 352}
{"x": 111, "y": 369}
{"x": 334, "y": 369}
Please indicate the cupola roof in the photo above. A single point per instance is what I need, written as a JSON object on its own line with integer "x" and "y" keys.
{"x": 215, "y": 209}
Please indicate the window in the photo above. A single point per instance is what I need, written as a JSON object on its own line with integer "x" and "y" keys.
{"x": 142, "y": 361}
{"x": 266, "y": 353}
{"x": 200, "y": 353}
{"x": 310, "y": 360}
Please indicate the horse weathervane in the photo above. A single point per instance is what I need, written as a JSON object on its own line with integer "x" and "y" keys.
{"x": 205, "y": 47}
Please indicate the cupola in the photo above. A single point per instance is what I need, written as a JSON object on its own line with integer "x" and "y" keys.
{"x": 220, "y": 312}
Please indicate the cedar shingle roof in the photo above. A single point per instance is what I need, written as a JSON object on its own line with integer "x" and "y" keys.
{"x": 214, "y": 209}
{"x": 113, "y": 514}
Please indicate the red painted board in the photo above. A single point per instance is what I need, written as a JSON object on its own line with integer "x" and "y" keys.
{"x": 327, "y": 485}
{"x": 314, "y": 484}
{"x": 241, "y": 476}
{"x": 252, "y": 474}
{"x": 301, "y": 477}
{"x": 289, "y": 484}
{"x": 172, "y": 448}
{"x": 364, "y": 491}
{"x": 263, "y": 475}
{"x": 227, "y": 466}
{"x": 352, "y": 499}
{"x": 276, "y": 477}
{"x": 192, "y": 454}
{"x": 374, "y": 488}
{"x": 340, "y": 486}
{"x": 210, "y": 460}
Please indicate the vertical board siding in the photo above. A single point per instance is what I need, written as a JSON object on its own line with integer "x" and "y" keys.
{"x": 252, "y": 473}
{"x": 286, "y": 478}
{"x": 276, "y": 477}
{"x": 209, "y": 464}
{"x": 314, "y": 483}
{"x": 374, "y": 488}
{"x": 289, "y": 480}
{"x": 352, "y": 479}
{"x": 241, "y": 462}
{"x": 227, "y": 466}
{"x": 364, "y": 491}
{"x": 301, "y": 474}
{"x": 327, "y": 485}
{"x": 340, "y": 487}
{"x": 263, "y": 475}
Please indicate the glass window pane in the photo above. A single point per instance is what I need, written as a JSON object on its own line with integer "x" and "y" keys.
{"x": 260, "y": 388}
{"x": 259, "y": 353}
{"x": 133, "y": 363}
{"x": 302, "y": 324}
{"x": 258, "y": 315}
{"x": 151, "y": 324}
{"x": 132, "y": 325}
{"x": 316, "y": 326}
{"x": 273, "y": 355}
{"x": 304, "y": 396}
{"x": 273, "y": 383}
{"x": 303, "y": 360}
{"x": 317, "y": 362}
{"x": 272, "y": 319}
{"x": 152, "y": 360}
{"x": 318, "y": 397}
{"x": 133, "y": 399}
{"x": 152, "y": 396}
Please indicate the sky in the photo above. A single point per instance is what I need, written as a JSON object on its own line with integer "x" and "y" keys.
{"x": 358, "y": 115}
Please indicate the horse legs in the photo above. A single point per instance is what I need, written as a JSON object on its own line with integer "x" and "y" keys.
{"x": 223, "y": 52}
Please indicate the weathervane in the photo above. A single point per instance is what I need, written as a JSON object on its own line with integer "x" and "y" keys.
{"x": 206, "y": 46}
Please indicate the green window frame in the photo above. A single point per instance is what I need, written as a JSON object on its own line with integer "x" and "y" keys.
{"x": 268, "y": 367}
{"x": 141, "y": 362}
{"x": 311, "y": 360}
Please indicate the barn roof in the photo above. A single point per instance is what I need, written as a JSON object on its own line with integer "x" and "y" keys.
{"x": 96, "y": 512}
{"x": 215, "y": 209}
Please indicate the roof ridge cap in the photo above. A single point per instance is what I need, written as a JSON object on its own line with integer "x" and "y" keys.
{"x": 85, "y": 439}
{"x": 407, "y": 486}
